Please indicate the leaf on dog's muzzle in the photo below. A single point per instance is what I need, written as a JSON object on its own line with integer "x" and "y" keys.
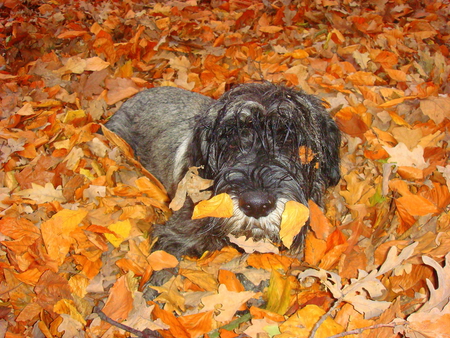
{"x": 218, "y": 206}
{"x": 293, "y": 219}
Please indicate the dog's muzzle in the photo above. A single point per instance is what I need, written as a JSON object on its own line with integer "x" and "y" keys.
{"x": 257, "y": 203}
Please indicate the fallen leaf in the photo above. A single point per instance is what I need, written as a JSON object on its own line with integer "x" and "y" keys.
{"x": 437, "y": 108}
{"x": 301, "y": 323}
{"x": 218, "y": 206}
{"x": 225, "y": 303}
{"x": 121, "y": 231}
{"x": 249, "y": 245}
{"x": 293, "y": 219}
{"x": 120, "y": 300}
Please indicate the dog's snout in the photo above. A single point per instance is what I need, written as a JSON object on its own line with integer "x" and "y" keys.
{"x": 257, "y": 203}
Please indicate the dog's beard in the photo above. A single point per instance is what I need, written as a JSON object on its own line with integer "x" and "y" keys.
{"x": 267, "y": 177}
{"x": 257, "y": 228}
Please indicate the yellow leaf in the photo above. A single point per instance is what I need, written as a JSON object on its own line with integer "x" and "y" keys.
{"x": 121, "y": 229}
{"x": 201, "y": 278}
{"x": 278, "y": 293}
{"x": 293, "y": 219}
{"x": 67, "y": 306}
{"x": 301, "y": 323}
{"x": 299, "y": 54}
{"x": 218, "y": 206}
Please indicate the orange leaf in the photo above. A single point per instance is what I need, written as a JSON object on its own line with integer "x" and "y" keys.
{"x": 397, "y": 75}
{"x": 270, "y": 29}
{"x": 18, "y": 228}
{"x": 314, "y": 249}
{"x": 301, "y": 323}
{"x": 258, "y": 313}
{"x": 198, "y": 324}
{"x": 417, "y": 205}
{"x": 230, "y": 280}
{"x": 306, "y": 154}
{"x": 168, "y": 318}
{"x": 56, "y": 232}
{"x": 293, "y": 219}
{"x": 162, "y": 260}
{"x": 218, "y": 206}
{"x": 299, "y": 54}
{"x": 410, "y": 173}
{"x": 318, "y": 222}
{"x": 270, "y": 262}
{"x": 350, "y": 122}
{"x": 332, "y": 257}
{"x": 120, "y": 300}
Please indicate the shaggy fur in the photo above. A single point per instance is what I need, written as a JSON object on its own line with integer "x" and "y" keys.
{"x": 248, "y": 142}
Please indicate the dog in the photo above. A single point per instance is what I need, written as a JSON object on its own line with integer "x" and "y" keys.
{"x": 247, "y": 142}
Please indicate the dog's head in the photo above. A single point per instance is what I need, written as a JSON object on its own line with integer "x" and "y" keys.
{"x": 265, "y": 145}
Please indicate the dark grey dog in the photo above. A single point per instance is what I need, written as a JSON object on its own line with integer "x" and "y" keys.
{"x": 248, "y": 142}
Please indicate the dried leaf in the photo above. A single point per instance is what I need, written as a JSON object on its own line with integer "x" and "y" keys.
{"x": 218, "y": 206}
{"x": 225, "y": 303}
{"x": 121, "y": 232}
{"x": 293, "y": 219}
{"x": 302, "y": 322}
{"x": 249, "y": 245}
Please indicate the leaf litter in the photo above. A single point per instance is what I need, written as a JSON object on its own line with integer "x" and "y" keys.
{"x": 76, "y": 207}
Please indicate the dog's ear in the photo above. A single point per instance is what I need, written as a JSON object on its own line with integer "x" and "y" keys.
{"x": 202, "y": 154}
{"x": 331, "y": 143}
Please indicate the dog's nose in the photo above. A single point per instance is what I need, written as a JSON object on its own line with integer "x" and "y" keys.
{"x": 256, "y": 203}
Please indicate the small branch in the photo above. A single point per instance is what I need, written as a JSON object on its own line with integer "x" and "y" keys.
{"x": 147, "y": 333}
{"x": 324, "y": 317}
{"x": 230, "y": 326}
{"x": 361, "y": 330}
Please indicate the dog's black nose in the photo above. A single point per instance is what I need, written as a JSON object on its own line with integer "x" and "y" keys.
{"x": 256, "y": 203}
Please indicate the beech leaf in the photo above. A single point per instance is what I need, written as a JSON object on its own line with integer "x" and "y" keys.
{"x": 293, "y": 219}
{"x": 218, "y": 206}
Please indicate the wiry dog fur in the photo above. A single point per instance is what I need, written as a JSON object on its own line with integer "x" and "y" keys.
{"x": 248, "y": 142}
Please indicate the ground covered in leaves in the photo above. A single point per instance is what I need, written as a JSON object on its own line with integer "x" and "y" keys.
{"x": 76, "y": 208}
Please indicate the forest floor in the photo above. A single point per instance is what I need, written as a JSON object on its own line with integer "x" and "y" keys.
{"x": 76, "y": 207}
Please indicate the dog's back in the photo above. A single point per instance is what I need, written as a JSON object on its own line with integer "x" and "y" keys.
{"x": 157, "y": 123}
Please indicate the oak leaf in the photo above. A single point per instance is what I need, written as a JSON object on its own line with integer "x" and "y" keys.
{"x": 43, "y": 194}
{"x": 249, "y": 245}
{"x": 225, "y": 303}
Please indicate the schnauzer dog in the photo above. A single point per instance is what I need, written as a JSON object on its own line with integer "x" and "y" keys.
{"x": 249, "y": 142}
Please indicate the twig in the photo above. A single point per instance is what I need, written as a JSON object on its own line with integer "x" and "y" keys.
{"x": 324, "y": 317}
{"x": 147, "y": 333}
{"x": 357, "y": 331}
{"x": 232, "y": 325}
